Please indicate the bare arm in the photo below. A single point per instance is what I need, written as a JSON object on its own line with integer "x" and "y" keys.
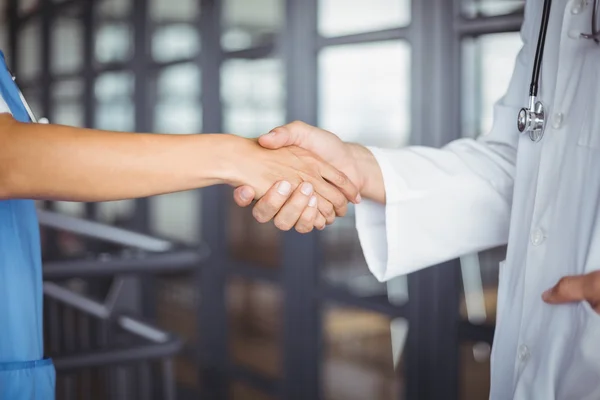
{"x": 64, "y": 163}
{"x": 370, "y": 178}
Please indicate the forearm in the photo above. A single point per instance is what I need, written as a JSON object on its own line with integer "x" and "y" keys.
{"x": 371, "y": 179}
{"x": 63, "y": 163}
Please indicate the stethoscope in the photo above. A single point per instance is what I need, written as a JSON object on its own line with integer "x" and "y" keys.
{"x": 532, "y": 119}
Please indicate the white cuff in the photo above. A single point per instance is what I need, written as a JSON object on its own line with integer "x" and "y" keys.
{"x": 372, "y": 221}
{"x": 431, "y": 214}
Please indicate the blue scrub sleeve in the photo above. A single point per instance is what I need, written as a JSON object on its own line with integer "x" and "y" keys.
{"x": 24, "y": 372}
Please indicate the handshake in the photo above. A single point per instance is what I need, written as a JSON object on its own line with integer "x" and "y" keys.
{"x": 301, "y": 176}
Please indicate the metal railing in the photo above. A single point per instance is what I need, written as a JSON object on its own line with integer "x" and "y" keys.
{"x": 100, "y": 348}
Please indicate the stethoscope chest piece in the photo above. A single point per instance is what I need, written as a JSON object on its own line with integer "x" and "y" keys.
{"x": 532, "y": 121}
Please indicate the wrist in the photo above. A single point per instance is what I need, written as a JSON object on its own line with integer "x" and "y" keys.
{"x": 370, "y": 177}
{"x": 358, "y": 154}
{"x": 224, "y": 155}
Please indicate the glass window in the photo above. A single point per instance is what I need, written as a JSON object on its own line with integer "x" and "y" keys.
{"x": 488, "y": 8}
{"x": 250, "y": 23}
{"x": 33, "y": 97}
{"x": 177, "y": 302}
{"x": 176, "y": 41}
{"x": 116, "y": 212}
{"x": 4, "y": 38}
{"x": 67, "y": 40}
{"x": 364, "y": 92}
{"x": 480, "y": 285}
{"x": 250, "y": 241}
{"x": 175, "y": 11}
{"x": 345, "y": 264}
{"x": 178, "y": 107}
{"x": 474, "y": 371}
{"x": 253, "y": 96}
{"x": 114, "y": 9}
{"x": 176, "y": 216}
{"x": 343, "y": 17}
{"x": 363, "y": 97}
{"x": 255, "y": 310}
{"x": 68, "y": 90}
{"x": 240, "y": 390}
{"x": 360, "y": 356}
{"x": 114, "y": 104}
{"x": 114, "y": 42}
{"x": 70, "y": 208}
{"x": 30, "y": 65}
{"x": 68, "y": 113}
{"x": 178, "y": 110}
{"x": 488, "y": 63}
{"x": 27, "y": 6}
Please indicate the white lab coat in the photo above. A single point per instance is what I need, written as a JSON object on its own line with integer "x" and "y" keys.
{"x": 542, "y": 198}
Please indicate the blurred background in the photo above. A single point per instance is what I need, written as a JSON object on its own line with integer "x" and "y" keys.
{"x": 184, "y": 296}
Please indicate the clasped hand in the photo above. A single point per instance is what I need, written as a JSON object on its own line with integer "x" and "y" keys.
{"x": 292, "y": 181}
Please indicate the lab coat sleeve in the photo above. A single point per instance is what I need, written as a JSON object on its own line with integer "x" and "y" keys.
{"x": 444, "y": 203}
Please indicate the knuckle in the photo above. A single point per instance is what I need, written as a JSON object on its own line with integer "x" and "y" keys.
{"x": 282, "y": 225}
{"x": 280, "y": 129}
{"x": 296, "y": 124}
{"x": 320, "y": 222}
{"x": 339, "y": 202}
{"x": 303, "y": 228}
{"x": 340, "y": 179}
{"x": 328, "y": 211}
{"x": 563, "y": 284}
{"x": 259, "y": 215}
{"x": 270, "y": 203}
{"x": 330, "y": 219}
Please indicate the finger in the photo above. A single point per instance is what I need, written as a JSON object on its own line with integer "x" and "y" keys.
{"x": 243, "y": 196}
{"x": 341, "y": 181}
{"x": 567, "y": 290}
{"x": 286, "y": 135}
{"x": 320, "y": 221}
{"x": 332, "y": 195}
{"x": 326, "y": 209}
{"x": 306, "y": 223}
{"x": 591, "y": 290}
{"x": 292, "y": 210}
{"x": 269, "y": 205}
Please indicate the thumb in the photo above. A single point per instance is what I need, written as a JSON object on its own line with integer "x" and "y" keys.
{"x": 569, "y": 289}
{"x": 243, "y": 196}
{"x": 287, "y": 135}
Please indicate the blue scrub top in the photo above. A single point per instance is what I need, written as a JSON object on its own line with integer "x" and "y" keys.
{"x": 24, "y": 373}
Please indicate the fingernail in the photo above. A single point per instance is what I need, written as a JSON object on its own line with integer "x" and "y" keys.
{"x": 546, "y": 294}
{"x": 358, "y": 198}
{"x": 312, "y": 202}
{"x": 246, "y": 194}
{"x": 306, "y": 189}
{"x": 272, "y": 133}
{"x": 283, "y": 188}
